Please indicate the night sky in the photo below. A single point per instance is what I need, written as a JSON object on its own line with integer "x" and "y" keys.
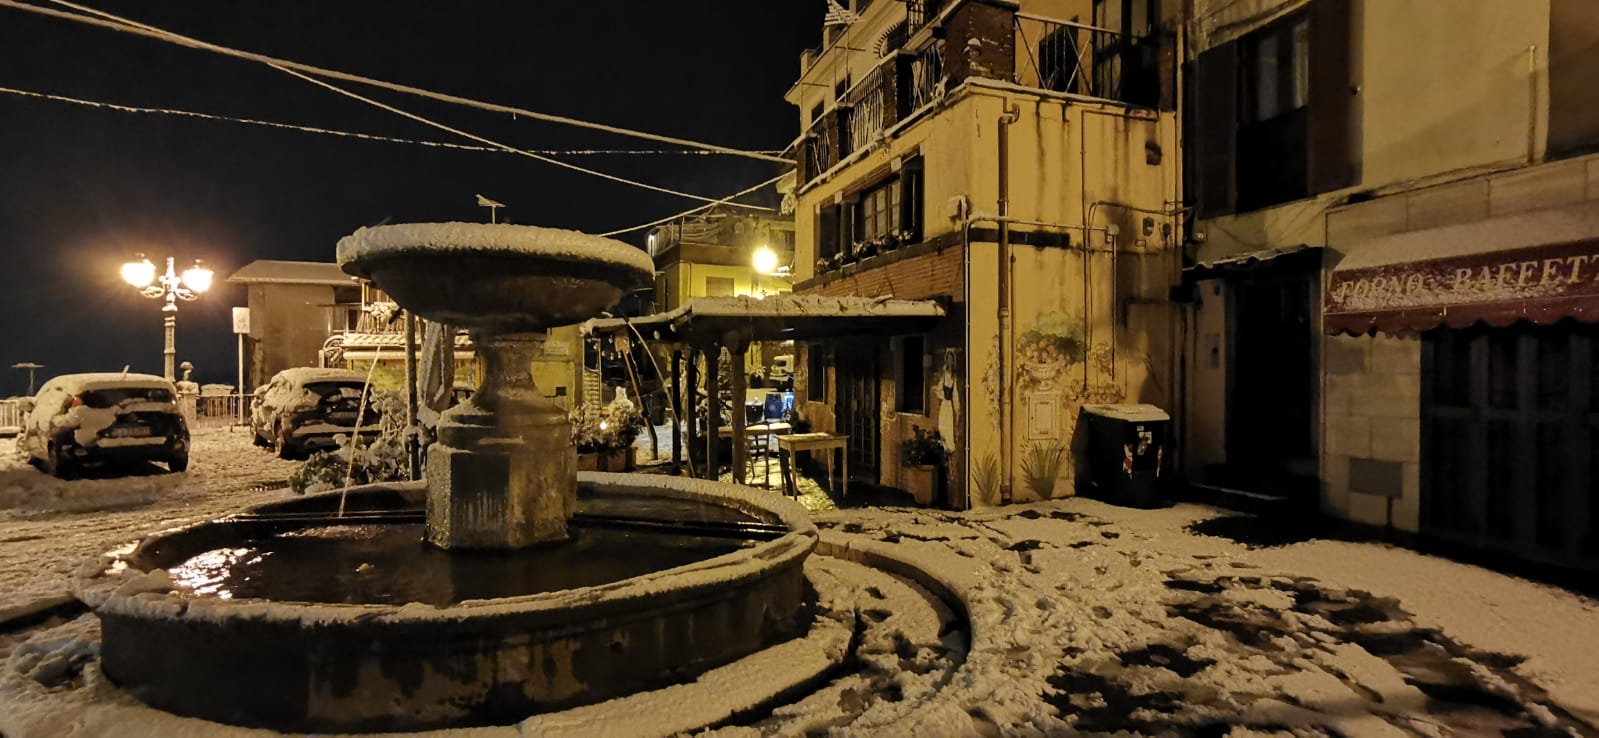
{"x": 82, "y": 190}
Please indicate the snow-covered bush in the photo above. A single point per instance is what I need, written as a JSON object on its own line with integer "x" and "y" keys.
{"x": 612, "y": 427}
{"x": 380, "y": 458}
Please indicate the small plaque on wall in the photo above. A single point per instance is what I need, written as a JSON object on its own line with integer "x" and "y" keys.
{"x": 1042, "y": 407}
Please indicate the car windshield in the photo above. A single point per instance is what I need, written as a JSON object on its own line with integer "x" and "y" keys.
{"x": 335, "y": 390}
{"x": 113, "y": 396}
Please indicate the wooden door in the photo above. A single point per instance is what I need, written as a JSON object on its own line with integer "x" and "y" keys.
{"x": 857, "y": 403}
{"x": 1510, "y": 440}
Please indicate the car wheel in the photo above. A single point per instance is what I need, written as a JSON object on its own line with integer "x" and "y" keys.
{"x": 280, "y": 443}
{"x": 257, "y": 438}
{"x": 178, "y": 463}
{"x": 57, "y": 465}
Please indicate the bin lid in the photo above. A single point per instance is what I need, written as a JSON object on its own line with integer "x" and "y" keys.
{"x": 1135, "y": 413}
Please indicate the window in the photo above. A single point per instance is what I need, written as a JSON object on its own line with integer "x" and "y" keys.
{"x": 718, "y": 286}
{"x": 841, "y": 88}
{"x": 879, "y": 211}
{"x": 1277, "y": 63}
{"x": 816, "y": 113}
{"x": 815, "y": 373}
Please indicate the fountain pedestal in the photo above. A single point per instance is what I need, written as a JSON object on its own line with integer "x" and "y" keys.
{"x": 502, "y": 474}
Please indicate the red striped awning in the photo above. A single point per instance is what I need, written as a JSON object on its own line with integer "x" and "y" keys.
{"x": 1539, "y": 266}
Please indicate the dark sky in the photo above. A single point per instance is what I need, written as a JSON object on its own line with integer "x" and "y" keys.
{"x": 82, "y": 190}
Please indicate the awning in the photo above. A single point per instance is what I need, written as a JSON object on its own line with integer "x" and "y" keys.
{"x": 1540, "y": 266}
{"x": 778, "y": 318}
{"x": 1299, "y": 257}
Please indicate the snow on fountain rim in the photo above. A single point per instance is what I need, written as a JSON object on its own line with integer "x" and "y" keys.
{"x": 467, "y": 238}
{"x": 121, "y": 589}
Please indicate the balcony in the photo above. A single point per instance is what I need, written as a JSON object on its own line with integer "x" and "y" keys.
{"x": 985, "y": 41}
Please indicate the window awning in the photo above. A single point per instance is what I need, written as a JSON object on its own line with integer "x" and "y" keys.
{"x": 1540, "y": 266}
{"x": 1299, "y": 257}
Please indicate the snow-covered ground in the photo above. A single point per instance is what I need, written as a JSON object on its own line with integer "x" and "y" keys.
{"x": 1083, "y": 617}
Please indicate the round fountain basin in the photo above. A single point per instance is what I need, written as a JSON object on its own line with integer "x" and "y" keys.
{"x": 496, "y": 277}
{"x": 284, "y": 618}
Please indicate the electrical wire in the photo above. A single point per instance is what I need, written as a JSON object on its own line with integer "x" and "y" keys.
{"x": 724, "y": 201}
{"x": 118, "y": 107}
{"x": 116, "y": 23}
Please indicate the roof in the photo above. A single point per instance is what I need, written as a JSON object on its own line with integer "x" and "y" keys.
{"x": 304, "y": 374}
{"x": 272, "y": 271}
{"x": 75, "y": 383}
{"x": 780, "y": 317}
{"x": 392, "y": 339}
{"x": 1253, "y": 261}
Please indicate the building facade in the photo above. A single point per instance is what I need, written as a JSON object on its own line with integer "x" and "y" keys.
{"x": 715, "y": 254}
{"x": 1395, "y": 216}
{"x": 1017, "y": 162}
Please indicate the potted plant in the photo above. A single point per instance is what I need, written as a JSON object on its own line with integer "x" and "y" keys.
{"x": 604, "y": 435}
{"x": 923, "y": 456}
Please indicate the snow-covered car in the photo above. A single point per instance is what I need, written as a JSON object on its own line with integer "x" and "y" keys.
{"x": 81, "y": 420}
{"x": 306, "y": 409}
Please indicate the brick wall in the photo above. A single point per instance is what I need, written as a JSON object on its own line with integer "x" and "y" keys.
{"x": 934, "y": 274}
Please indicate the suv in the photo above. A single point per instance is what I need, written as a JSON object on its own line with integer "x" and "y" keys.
{"x": 306, "y": 409}
{"x": 80, "y": 420}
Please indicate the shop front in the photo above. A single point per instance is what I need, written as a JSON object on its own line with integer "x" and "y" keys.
{"x": 1504, "y": 313}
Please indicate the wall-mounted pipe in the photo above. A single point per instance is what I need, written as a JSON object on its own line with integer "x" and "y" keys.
{"x": 1013, "y": 113}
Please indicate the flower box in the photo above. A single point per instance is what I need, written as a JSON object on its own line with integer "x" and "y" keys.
{"x": 921, "y": 482}
{"x": 613, "y": 460}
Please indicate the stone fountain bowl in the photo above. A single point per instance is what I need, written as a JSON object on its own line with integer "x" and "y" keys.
{"x": 328, "y": 666}
{"x": 496, "y": 277}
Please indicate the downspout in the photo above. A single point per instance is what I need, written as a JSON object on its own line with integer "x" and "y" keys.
{"x": 1012, "y": 114}
{"x": 1532, "y": 103}
{"x": 966, "y": 359}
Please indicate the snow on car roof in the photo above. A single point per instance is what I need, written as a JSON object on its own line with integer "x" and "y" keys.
{"x": 308, "y": 374}
{"x": 75, "y": 383}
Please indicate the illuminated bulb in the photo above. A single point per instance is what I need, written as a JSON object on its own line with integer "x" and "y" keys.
{"x": 765, "y": 260}
{"x": 138, "y": 273}
{"x": 604, "y": 425}
{"x": 197, "y": 278}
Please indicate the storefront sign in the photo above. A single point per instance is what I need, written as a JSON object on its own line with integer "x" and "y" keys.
{"x": 1541, "y": 284}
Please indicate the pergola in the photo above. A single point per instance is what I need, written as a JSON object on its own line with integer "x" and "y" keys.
{"x": 706, "y": 325}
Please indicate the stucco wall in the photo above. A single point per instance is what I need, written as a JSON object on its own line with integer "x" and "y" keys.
{"x": 289, "y": 324}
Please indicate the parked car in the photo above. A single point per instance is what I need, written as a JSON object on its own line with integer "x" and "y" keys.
{"x": 83, "y": 420}
{"x": 306, "y": 409}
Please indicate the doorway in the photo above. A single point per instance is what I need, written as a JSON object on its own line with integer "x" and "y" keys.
{"x": 856, "y": 410}
{"x": 1271, "y": 384}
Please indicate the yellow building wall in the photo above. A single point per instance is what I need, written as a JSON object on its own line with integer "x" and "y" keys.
{"x": 1091, "y": 327}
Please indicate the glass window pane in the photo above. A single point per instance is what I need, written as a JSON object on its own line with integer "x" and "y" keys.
{"x": 1502, "y": 366}
{"x": 1301, "y": 81}
{"x": 1266, "y": 73}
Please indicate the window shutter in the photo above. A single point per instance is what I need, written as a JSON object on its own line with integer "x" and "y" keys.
{"x": 1331, "y": 162}
{"x": 827, "y": 230}
{"x": 1216, "y": 100}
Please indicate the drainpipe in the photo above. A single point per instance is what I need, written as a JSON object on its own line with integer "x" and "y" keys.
{"x": 1532, "y": 103}
{"x": 1006, "y": 119}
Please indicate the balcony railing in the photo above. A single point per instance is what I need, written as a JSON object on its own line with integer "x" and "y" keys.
{"x": 1064, "y": 56}
{"x": 927, "y": 76}
{"x": 871, "y": 109}
{"x": 919, "y": 13}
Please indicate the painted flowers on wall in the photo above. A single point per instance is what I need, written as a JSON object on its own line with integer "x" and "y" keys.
{"x": 1047, "y": 350}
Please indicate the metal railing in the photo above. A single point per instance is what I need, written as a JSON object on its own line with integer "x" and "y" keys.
{"x": 11, "y": 417}
{"x": 819, "y": 149}
{"x": 927, "y": 76}
{"x": 919, "y": 13}
{"x": 1079, "y": 59}
{"x": 214, "y": 411}
{"x": 870, "y": 106}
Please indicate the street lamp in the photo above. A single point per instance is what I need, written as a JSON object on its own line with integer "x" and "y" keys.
{"x": 171, "y": 286}
{"x": 765, "y": 260}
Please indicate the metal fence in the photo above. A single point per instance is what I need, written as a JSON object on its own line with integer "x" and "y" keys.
{"x": 11, "y": 417}
{"x": 214, "y": 411}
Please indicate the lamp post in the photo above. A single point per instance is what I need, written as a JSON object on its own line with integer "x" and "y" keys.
{"x": 172, "y": 287}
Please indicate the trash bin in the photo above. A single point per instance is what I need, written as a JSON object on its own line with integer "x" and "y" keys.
{"x": 1122, "y": 450}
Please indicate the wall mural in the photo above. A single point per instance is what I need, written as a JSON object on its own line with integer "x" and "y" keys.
{"x": 1055, "y": 372}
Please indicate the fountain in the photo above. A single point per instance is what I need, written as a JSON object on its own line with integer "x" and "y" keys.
{"x": 504, "y": 585}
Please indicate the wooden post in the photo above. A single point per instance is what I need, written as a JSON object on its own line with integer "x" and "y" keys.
{"x": 736, "y": 349}
{"x": 677, "y": 411}
{"x": 713, "y": 410}
{"x": 691, "y": 405}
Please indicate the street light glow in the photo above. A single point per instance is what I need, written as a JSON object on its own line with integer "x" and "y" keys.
{"x": 138, "y": 273}
{"x": 765, "y": 260}
{"x": 196, "y": 278}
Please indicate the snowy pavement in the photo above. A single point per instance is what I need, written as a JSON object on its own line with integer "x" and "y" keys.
{"x": 1080, "y": 617}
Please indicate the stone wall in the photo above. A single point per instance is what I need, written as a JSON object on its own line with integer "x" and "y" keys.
{"x": 1372, "y": 416}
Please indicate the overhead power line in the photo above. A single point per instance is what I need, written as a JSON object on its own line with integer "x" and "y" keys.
{"x": 121, "y": 108}
{"x": 508, "y": 148}
{"x": 724, "y": 201}
{"x": 117, "y": 23}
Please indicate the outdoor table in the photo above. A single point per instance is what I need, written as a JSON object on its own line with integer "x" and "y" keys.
{"x": 789, "y": 446}
{"x": 768, "y": 430}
